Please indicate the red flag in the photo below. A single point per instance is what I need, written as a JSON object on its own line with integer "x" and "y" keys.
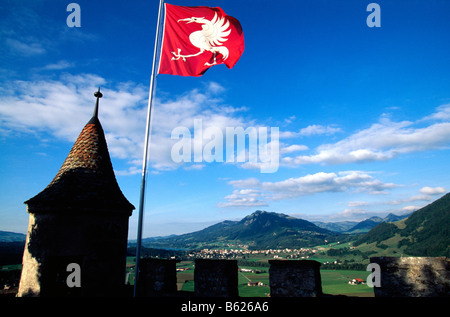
{"x": 196, "y": 38}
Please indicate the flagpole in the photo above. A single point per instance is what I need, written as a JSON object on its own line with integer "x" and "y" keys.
{"x": 145, "y": 156}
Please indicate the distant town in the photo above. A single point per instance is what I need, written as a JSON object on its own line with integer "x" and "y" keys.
{"x": 242, "y": 253}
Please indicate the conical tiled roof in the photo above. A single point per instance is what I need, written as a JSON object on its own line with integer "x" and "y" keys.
{"x": 86, "y": 181}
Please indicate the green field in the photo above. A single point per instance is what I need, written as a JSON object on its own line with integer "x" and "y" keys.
{"x": 334, "y": 282}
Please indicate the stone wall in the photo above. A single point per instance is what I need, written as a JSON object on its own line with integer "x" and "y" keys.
{"x": 216, "y": 278}
{"x": 295, "y": 278}
{"x": 413, "y": 276}
{"x": 96, "y": 243}
{"x": 44, "y": 272}
{"x": 158, "y": 277}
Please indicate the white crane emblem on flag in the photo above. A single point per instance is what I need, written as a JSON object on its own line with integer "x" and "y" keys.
{"x": 210, "y": 38}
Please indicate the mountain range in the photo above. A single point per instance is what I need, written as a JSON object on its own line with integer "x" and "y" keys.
{"x": 7, "y": 236}
{"x": 261, "y": 228}
{"x": 425, "y": 232}
{"x": 269, "y": 230}
{"x": 359, "y": 227}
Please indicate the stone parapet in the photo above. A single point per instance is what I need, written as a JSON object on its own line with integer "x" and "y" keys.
{"x": 216, "y": 278}
{"x": 413, "y": 276}
{"x": 290, "y": 278}
{"x": 158, "y": 277}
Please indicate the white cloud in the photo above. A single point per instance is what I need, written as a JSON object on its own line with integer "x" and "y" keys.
{"x": 292, "y": 148}
{"x": 262, "y": 192}
{"x": 215, "y": 87}
{"x": 315, "y": 129}
{"x": 244, "y": 198}
{"x": 402, "y": 205}
{"x": 351, "y": 214}
{"x": 58, "y": 65}
{"x": 442, "y": 113}
{"x": 249, "y": 182}
{"x": 326, "y": 182}
{"x": 318, "y": 130}
{"x": 26, "y": 49}
{"x": 432, "y": 190}
{"x": 62, "y": 107}
{"x": 357, "y": 203}
{"x": 411, "y": 208}
{"x": 381, "y": 141}
{"x": 290, "y": 119}
{"x": 59, "y": 107}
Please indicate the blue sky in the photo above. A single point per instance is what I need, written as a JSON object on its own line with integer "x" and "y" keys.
{"x": 363, "y": 113}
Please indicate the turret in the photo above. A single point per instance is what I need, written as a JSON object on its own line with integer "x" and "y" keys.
{"x": 78, "y": 225}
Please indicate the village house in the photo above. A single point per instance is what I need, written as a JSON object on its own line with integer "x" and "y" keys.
{"x": 356, "y": 281}
{"x": 255, "y": 284}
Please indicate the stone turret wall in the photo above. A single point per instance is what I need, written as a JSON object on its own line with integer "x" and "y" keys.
{"x": 78, "y": 222}
{"x": 96, "y": 243}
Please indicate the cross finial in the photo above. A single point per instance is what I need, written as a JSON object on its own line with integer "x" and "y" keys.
{"x": 97, "y": 94}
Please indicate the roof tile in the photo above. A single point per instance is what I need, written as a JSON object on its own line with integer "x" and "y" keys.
{"x": 85, "y": 181}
